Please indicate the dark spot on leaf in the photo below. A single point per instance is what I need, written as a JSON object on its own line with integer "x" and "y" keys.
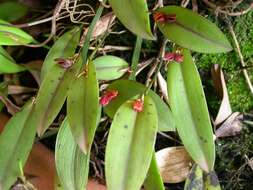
{"x": 203, "y": 139}
{"x": 125, "y": 126}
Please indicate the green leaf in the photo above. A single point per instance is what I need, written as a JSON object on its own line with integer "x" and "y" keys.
{"x": 128, "y": 89}
{"x": 189, "y": 108}
{"x": 195, "y": 179}
{"x": 52, "y": 94}
{"x": 11, "y": 11}
{"x": 110, "y": 67}
{"x": 130, "y": 146}
{"x": 15, "y": 145}
{"x": 7, "y": 64}
{"x": 72, "y": 164}
{"x": 153, "y": 179}
{"x": 10, "y": 35}
{"x": 134, "y": 16}
{"x": 211, "y": 181}
{"x": 64, "y": 48}
{"x": 193, "y": 31}
{"x": 83, "y": 107}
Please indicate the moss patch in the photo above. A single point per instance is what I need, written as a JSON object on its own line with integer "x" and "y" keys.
{"x": 239, "y": 94}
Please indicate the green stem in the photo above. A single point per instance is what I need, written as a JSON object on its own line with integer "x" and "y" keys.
{"x": 160, "y": 60}
{"x": 89, "y": 34}
{"x": 135, "y": 58}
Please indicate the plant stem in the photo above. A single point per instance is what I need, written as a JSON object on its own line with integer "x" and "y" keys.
{"x": 160, "y": 63}
{"x": 135, "y": 58}
{"x": 89, "y": 33}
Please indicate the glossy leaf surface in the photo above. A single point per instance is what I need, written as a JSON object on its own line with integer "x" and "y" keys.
{"x": 134, "y": 16}
{"x": 63, "y": 48}
{"x": 11, "y": 11}
{"x": 189, "y": 108}
{"x": 10, "y": 35}
{"x": 130, "y": 146}
{"x": 153, "y": 179}
{"x": 72, "y": 164}
{"x": 52, "y": 94}
{"x": 128, "y": 89}
{"x": 15, "y": 144}
{"x": 110, "y": 67}
{"x": 193, "y": 31}
{"x": 83, "y": 107}
{"x": 7, "y": 64}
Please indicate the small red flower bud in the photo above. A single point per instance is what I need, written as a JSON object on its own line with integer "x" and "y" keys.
{"x": 107, "y": 97}
{"x": 178, "y": 58}
{"x": 64, "y": 63}
{"x": 164, "y": 18}
{"x": 169, "y": 56}
{"x": 104, "y": 101}
{"x": 138, "y": 105}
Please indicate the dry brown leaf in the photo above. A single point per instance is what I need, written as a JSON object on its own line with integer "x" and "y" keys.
{"x": 163, "y": 86}
{"x": 101, "y": 26}
{"x": 15, "y": 89}
{"x": 11, "y": 107}
{"x": 231, "y": 127}
{"x": 220, "y": 85}
{"x": 174, "y": 164}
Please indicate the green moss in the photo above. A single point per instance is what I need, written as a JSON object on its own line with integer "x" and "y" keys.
{"x": 239, "y": 94}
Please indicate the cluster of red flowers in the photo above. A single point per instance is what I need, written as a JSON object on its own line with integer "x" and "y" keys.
{"x": 109, "y": 95}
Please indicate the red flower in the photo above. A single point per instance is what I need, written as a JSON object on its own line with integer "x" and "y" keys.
{"x": 171, "y": 56}
{"x": 107, "y": 97}
{"x": 138, "y": 105}
{"x": 179, "y": 58}
{"x": 64, "y": 63}
{"x": 164, "y": 18}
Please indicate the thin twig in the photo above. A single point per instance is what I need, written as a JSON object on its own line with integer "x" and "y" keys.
{"x": 220, "y": 10}
{"x": 245, "y": 73}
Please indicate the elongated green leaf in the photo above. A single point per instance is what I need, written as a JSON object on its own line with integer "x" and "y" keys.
{"x": 11, "y": 11}
{"x": 193, "y": 31}
{"x": 15, "y": 144}
{"x": 83, "y": 108}
{"x": 153, "y": 179}
{"x": 72, "y": 164}
{"x": 64, "y": 47}
{"x": 110, "y": 67}
{"x": 10, "y": 35}
{"x": 195, "y": 179}
{"x": 190, "y": 111}
{"x": 211, "y": 181}
{"x": 130, "y": 146}
{"x": 134, "y": 16}
{"x": 7, "y": 64}
{"x": 128, "y": 89}
{"x": 52, "y": 94}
